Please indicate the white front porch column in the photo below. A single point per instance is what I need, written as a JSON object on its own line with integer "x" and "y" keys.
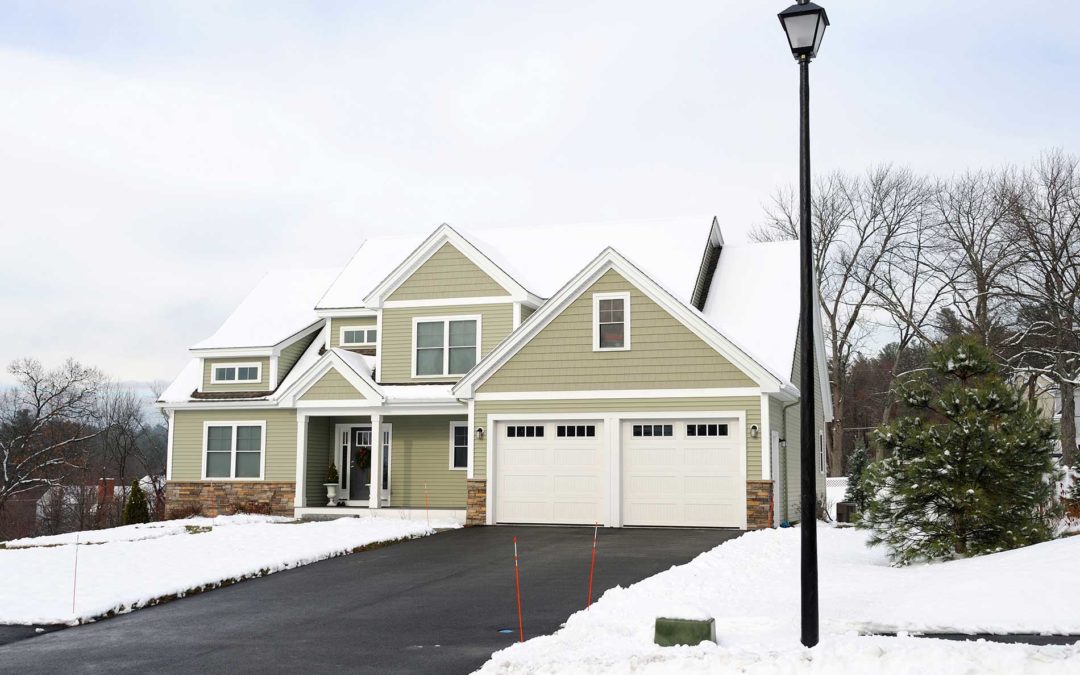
{"x": 301, "y": 458}
{"x": 376, "y": 462}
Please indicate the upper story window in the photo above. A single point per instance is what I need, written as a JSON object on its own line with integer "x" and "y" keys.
{"x": 235, "y": 373}
{"x": 445, "y": 345}
{"x": 358, "y": 336}
{"x": 611, "y": 321}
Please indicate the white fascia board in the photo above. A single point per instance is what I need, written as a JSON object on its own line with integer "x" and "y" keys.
{"x": 333, "y": 408}
{"x": 607, "y": 260}
{"x": 298, "y": 335}
{"x": 232, "y": 352}
{"x": 442, "y": 235}
{"x": 722, "y": 392}
{"x": 821, "y": 363}
{"x": 344, "y": 312}
{"x": 449, "y": 302}
{"x": 329, "y": 361}
{"x": 230, "y": 403}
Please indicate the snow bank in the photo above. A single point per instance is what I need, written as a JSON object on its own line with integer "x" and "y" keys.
{"x": 136, "y": 565}
{"x": 750, "y": 586}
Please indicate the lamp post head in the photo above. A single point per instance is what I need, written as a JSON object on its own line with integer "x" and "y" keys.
{"x": 804, "y": 23}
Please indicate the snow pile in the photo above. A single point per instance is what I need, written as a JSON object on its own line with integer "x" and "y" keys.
{"x": 750, "y": 586}
{"x": 136, "y": 565}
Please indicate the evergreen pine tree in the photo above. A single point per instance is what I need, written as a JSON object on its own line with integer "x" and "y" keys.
{"x": 968, "y": 467}
{"x": 857, "y": 464}
{"x": 136, "y": 510}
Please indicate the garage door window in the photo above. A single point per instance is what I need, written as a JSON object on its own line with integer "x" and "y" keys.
{"x": 706, "y": 430}
{"x": 641, "y": 430}
{"x": 525, "y": 432}
{"x": 575, "y": 431}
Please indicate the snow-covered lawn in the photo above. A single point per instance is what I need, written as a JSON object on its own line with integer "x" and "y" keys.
{"x": 123, "y": 568}
{"x": 750, "y": 586}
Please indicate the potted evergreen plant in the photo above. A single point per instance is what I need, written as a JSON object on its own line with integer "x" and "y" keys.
{"x": 331, "y": 485}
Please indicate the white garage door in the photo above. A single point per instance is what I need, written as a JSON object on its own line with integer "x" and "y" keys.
{"x": 683, "y": 473}
{"x": 549, "y": 472}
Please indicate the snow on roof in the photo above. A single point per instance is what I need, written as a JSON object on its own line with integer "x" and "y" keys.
{"x": 542, "y": 259}
{"x": 361, "y": 363}
{"x": 306, "y": 360}
{"x": 278, "y": 307}
{"x": 186, "y": 382}
{"x": 373, "y": 261}
{"x": 754, "y": 301}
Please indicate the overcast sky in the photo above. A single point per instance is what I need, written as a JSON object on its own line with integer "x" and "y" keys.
{"x": 156, "y": 158}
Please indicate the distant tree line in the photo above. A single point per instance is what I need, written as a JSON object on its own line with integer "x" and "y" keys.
{"x": 71, "y": 443}
{"x": 994, "y": 254}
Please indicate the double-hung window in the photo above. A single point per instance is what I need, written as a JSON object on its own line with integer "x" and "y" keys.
{"x": 459, "y": 445}
{"x": 611, "y": 322}
{"x": 234, "y": 449}
{"x": 235, "y": 373}
{"x": 358, "y": 336}
{"x": 445, "y": 345}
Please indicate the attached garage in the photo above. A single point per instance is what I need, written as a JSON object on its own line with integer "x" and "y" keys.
{"x": 684, "y": 473}
{"x": 655, "y": 472}
{"x": 550, "y": 472}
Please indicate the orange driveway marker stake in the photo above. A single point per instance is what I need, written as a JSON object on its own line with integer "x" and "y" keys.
{"x": 592, "y": 565}
{"x": 517, "y": 588}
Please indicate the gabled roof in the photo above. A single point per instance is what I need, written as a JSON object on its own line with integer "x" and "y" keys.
{"x": 278, "y": 308}
{"x": 609, "y": 259}
{"x": 355, "y": 368}
{"x": 536, "y": 259}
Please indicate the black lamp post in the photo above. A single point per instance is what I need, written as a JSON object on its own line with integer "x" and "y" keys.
{"x": 804, "y": 24}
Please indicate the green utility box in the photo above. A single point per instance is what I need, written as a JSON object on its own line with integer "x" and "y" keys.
{"x": 671, "y": 632}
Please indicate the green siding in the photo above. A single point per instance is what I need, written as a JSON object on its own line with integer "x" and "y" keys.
{"x": 751, "y": 405}
{"x": 397, "y": 339}
{"x": 291, "y": 354}
{"x": 262, "y": 385}
{"x": 420, "y": 455}
{"x": 332, "y": 387}
{"x": 337, "y": 323}
{"x": 280, "y": 463}
{"x": 664, "y": 353}
{"x": 319, "y": 433}
{"x": 526, "y": 312}
{"x": 447, "y": 274}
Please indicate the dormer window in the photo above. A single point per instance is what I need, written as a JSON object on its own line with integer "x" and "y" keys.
{"x": 358, "y": 336}
{"x": 236, "y": 373}
{"x": 611, "y": 322}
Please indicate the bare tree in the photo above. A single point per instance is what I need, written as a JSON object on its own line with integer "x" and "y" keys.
{"x": 45, "y": 421}
{"x": 1044, "y": 219}
{"x": 858, "y": 224}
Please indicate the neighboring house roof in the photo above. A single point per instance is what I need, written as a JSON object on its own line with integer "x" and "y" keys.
{"x": 540, "y": 259}
{"x": 278, "y": 308}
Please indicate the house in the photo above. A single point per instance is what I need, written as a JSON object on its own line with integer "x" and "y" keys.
{"x": 1047, "y": 396}
{"x": 629, "y": 374}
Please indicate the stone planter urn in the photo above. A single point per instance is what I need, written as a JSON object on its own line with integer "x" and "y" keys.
{"x": 331, "y": 493}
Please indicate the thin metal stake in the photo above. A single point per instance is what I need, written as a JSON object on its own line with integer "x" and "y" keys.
{"x": 517, "y": 587}
{"x": 592, "y": 565}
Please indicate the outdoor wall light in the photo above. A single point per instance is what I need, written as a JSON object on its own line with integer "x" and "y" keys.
{"x": 753, "y": 431}
{"x": 479, "y": 433}
{"x": 804, "y": 24}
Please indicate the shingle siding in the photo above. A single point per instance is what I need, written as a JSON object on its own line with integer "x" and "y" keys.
{"x": 447, "y": 274}
{"x": 420, "y": 462}
{"x": 291, "y": 354}
{"x": 332, "y": 387}
{"x": 337, "y": 323}
{"x": 187, "y": 456}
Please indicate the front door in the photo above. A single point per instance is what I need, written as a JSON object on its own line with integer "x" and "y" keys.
{"x": 360, "y": 464}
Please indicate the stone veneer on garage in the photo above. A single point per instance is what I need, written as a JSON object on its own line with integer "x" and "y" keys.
{"x": 476, "y": 502}
{"x": 218, "y": 498}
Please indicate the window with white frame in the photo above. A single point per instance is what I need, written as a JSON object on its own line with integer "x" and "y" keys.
{"x": 445, "y": 345}
{"x": 234, "y": 449}
{"x": 459, "y": 445}
{"x": 611, "y": 321}
{"x": 235, "y": 373}
{"x": 358, "y": 336}
{"x": 821, "y": 451}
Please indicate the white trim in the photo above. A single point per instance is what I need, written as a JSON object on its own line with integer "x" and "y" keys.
{"x": 471, "y": 469}
{"x": 378, "y": 344}
{"x": 237, "y": 365}
{"x": 232, "y": 462}
{"x": 450, "y": 302}
{"x": 615, "y": 393}
{"x": 232, "y": 352}
{"x": 764, "y": 437}
{"x": 517, "y": 316}
{"x": 330, "y": 360}
{"x": 444, "y": 234}
{"x": 171, "y": 412}
{"x": 375, "y": 486}
{"x": 612, "y": 445}
{"x": 780, "y": 481}
{"x": 610, "y": 259}
{"x": 388, "y": 428}
{"x": 596, "y": 298}
{"x": 453, "y": 426}
{"x": 344, "y": 312}
{"x": 301, "y": 458}
{"x": 334, "y": 408}
{"x": 478, "y": 318}
{"x": 365, "y": 343}
{"x": 273, "y": 383}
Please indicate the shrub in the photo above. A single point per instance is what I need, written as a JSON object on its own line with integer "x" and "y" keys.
{"x": 250, "y": 507}
{"x": 968, "y": 467}
{"x": 186, "y": 511}
{"x": 136, "y": 510}
{"x": 856, "y": 490}
{"x": 331, "y": 474}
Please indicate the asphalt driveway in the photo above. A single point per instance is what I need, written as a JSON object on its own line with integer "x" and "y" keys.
{"x": 432, "y": 605}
